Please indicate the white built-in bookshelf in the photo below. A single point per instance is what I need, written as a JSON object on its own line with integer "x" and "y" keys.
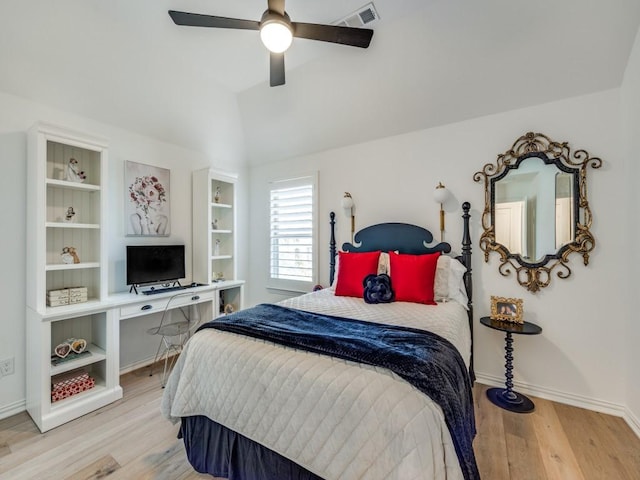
{"x": 66, "y": 205}
{"x": 214, "y": 223}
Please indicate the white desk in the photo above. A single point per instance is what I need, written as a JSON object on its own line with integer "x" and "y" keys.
{"x": 130, "y": 305}
{"x": 98, "y": 322}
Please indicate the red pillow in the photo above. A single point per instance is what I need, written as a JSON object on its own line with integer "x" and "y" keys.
{"x": 354, "y": 267}
{"x": 413, "y": 276}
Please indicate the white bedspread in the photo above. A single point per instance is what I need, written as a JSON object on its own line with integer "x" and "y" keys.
{"x": 338, "y": 419}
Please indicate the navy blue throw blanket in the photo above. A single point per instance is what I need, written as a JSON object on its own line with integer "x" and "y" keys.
{"x": 424, "y": 359}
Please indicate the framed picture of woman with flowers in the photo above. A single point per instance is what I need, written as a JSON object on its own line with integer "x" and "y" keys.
{"x": 147, "y": 205}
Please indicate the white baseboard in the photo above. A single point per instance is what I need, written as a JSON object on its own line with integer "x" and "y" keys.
{"x": 580, "y": 401}
{"x": 136, "y": 365}
{"x": 11, "y": 409}
{"x": 632, "y": 421}
{"x": 572, "y": 399}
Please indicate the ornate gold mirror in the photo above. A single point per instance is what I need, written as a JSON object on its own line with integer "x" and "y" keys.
{"x": 536, "y": 209}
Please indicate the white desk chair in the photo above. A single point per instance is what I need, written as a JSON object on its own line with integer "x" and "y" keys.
{"x": 174, "y": 334}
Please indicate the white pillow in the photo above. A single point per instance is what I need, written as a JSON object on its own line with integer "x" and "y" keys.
{"x": 449, "y": 281}
{"x": 383, "y": 263}
{"x": 457, "y": 290}
{"x": 441, "y": 282}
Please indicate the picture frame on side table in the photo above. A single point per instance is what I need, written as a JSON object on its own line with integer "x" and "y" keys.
{"x": 507, "y": 309}
{"x": 147, "y": 202}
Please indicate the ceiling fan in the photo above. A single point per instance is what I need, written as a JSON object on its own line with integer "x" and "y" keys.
{"x": 277, "y": 32}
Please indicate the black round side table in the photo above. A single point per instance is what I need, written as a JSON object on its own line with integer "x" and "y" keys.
{"x": 506, "y": 397}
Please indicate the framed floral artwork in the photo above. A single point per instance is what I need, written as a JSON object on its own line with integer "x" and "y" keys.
{"x": 147, "y": 204}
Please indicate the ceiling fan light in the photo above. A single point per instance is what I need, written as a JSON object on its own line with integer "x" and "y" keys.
{"x": 276, "y": 35}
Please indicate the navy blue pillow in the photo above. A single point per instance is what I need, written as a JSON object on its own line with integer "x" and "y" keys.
{"x": 377, "y": 289}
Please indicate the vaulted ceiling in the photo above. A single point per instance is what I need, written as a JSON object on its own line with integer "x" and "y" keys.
{"x": 431, "y": 62}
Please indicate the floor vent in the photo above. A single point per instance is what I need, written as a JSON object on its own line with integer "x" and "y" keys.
{"x": 361, "y": 17}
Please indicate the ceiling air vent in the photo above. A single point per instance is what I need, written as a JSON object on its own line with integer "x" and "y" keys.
{"x": 361, "y": 17}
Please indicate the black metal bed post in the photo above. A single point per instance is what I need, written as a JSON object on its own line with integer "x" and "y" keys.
{"x": 332, "y": 248}
{"x": 466, "y": 260}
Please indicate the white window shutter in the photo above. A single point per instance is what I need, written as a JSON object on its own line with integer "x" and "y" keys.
{"x": 292, "y": 223}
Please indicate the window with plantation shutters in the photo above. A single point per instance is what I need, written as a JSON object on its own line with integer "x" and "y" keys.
{"x": 293, "y": 233}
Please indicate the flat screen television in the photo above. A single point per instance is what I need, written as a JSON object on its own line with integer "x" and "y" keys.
{"x": 149, "y": 264}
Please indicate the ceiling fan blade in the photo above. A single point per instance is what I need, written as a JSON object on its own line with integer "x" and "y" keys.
{"x": 355, "y": 37}
{"x": 276, "y": 63}
{"x": 198, "y": 20}
{"x": 277, "y": 6}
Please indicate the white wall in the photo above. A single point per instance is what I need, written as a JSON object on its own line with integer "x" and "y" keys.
{"x": 631, "y": 115}
{"x": 579, "y": 356}
{"x": 17, "y": 116}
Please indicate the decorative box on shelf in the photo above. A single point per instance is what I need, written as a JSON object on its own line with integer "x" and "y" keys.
{"x": 66, "y": 296}
{"x": 77, "y": 294}
{"x": 71, "y": 383}
{"x": 55, "y": 298}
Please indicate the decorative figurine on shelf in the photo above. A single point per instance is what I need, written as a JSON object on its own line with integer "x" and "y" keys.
{"x": 70, "y": 215}
{"x": 217, "y": 196}
{"x": 214, "y": 224}
{"x": 69, "y": 255}
{"x": 217, "y": 277}
{"x": 78, "y": 345}
{"x": 74, "y": 174}
{"x": 62, "y": 350}
{"x": 216, "y": 248}
{"x": 75, "y": 345}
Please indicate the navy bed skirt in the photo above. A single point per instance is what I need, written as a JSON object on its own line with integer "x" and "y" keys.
{"x": 216, "y": 450}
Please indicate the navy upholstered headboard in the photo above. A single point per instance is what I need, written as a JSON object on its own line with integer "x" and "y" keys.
{"x": 403, "y": 237}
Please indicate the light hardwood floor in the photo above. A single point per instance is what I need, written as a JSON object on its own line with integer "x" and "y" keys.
{"x": 131, "y": 440}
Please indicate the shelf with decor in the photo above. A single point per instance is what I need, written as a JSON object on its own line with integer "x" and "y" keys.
{"x": 95, "y": 354}
{"x": 66, "y": 207}
{"x": 230, "y": 297}
{"x": 67, "y": 274}
{"x": 52, "y": 361}
{"x": 71, "y": 266}
{"x": 214, "y": 239}
{"x": 70, "y": 226}
{"x": 214, "y": 225}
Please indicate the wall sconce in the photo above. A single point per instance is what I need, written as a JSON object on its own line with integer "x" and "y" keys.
{"x": 347, "y": 204}
{"x": 440, "y": 195}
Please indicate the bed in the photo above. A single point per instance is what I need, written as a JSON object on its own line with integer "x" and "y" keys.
{"x": 330, "y": 386}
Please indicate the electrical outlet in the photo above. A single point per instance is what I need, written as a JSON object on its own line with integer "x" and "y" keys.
{"x": 6, "y": 367}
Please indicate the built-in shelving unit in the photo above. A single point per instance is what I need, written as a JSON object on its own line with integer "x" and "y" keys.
{"x": 67, "y": 245}
{"x": 214, "y": 222}
{"x": 214, "y": 225}
{"x": 66, "y": 206}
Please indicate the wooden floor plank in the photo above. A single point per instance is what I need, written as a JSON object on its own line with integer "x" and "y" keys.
{"x": 602, "y": 444}
{"x": 101, "y": 468}
{"x": 130, "y": 439}
{"x": 525, "y": 462}
{"x": 489, "y": 445}
{"x": 555, "y": 449}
